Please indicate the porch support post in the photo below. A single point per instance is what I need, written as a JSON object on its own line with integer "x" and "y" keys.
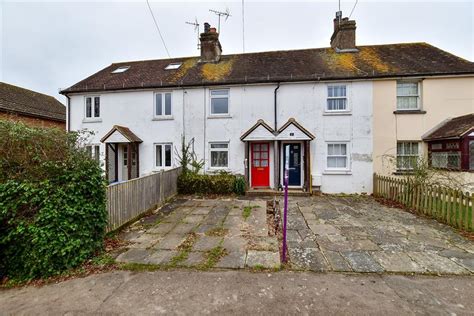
{"x": 137, "y": 157}
{"x": 116, "y": 162}
{"x": 129, "y": 161}
{"x": 307, "y": 172}
{"x": 107, "y": 162}
{"x": 276, "y": 164}
{"x": 247, "y": 164}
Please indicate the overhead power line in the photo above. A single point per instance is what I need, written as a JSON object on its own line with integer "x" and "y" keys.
{"x": 158, "y": 28}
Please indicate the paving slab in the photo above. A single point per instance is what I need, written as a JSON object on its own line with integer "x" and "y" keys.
{"x": 362, "y": 261}
{"x": 170, "y": 241}
{"x": 201, "y": 211}
{"x": 161, "y": 228}
{"x": 135, "y": 255}
{"x": 308, "y": 259}
{"x": 183, "y": 228}
{"x": 397, "y": 262}
{"x": 233, "y": 260}
{"x": 336, "y": 261}
{"x": 193, "y": 219}
{"x": 205, "y": 243}
{"x": 265, "y": 259}
{"x": 437, "y": 264}
{"x": 195, "y": 258}
{"x": 161, "y": 256}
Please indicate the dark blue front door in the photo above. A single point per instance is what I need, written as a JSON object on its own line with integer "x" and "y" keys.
{"x": 294, "y": 172}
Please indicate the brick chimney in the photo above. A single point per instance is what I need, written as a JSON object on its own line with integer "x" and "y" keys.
{"x": 211, "y": 48}
{"x": 344, "y": 37}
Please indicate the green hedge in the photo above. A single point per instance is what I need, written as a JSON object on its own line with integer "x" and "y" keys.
{"x": 52, "y": 202}
{"x": 221, "y": 183}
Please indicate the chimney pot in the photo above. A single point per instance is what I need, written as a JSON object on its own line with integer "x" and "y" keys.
{"x": 212, "y": 30}
{"x": 206, "y": 27}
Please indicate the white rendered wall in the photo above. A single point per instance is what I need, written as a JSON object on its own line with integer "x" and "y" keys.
{"x": 305, "y": 102}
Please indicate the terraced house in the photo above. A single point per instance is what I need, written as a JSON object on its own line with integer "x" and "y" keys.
{"x": 338, "y": 109}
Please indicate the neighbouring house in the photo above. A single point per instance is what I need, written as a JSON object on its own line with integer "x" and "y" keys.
{"x": 30, "y": 107}
{"x": 243, "y": 111}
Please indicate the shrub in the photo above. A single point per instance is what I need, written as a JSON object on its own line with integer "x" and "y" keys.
{"x": 239, "y": 186}
{"x": 52, "y": 202}
{"x": 221, "y": 183}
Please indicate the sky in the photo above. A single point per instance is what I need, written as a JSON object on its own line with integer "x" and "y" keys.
{"x": 47, "y": 46}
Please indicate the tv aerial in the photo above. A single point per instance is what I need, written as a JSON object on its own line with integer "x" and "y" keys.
{"x": 221, "y": 14}
{"x": 196, "y": 29}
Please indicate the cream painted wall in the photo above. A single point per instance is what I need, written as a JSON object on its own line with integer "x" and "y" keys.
{"x": 441, "y": 98}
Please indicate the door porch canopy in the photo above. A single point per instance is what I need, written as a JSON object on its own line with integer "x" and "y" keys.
{"x": 290, "y": 131}
{"x": 121, "y": 135}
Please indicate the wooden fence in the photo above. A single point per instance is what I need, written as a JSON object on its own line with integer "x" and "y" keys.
{"x": 128, "y": 200}
{"x": 447, "y": 205}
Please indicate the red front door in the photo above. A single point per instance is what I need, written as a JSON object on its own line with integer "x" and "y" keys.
{"x": 260, "y": 164}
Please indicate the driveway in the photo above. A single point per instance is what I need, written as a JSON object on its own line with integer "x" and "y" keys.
{"x": 358, "y": 234}
{"x": 325, "y": 233}
{"x": 204, "y": 233}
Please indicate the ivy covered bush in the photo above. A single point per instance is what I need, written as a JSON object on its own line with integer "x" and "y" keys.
{"x": 52, "y": 202}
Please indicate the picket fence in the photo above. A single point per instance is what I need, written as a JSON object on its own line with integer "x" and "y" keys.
{"x": 447, "y": 205}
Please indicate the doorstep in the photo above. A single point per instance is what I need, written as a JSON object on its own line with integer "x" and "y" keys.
{"x": 267, "y": 191}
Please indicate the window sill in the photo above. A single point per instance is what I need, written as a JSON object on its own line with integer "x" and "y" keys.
{"x": 337, "y": 172}
{"x": 330, "y": 113}
{"x": 217, "y": 169}
{"x": 163, "y": 118}
{"x": 219, "y": 116}
{"x": 92, "y": 120}
{"x": 409, "y": 112}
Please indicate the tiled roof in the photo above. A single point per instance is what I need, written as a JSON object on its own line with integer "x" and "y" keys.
{"x": 453, "y": 128}
{"x": 377, "y": 61}
{"x": 18, "y": 100}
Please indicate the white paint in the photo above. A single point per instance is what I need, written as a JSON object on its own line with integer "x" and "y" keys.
{"x": 117, "y": 137}
{"x": 292, "y": 132}
{"x": 306, "y": 102}
{"x": 260, "y": 133}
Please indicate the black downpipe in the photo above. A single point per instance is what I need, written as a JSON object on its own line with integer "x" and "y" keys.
{"x": 275, "y": 106}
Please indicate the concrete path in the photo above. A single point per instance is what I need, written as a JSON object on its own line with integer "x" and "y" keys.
{"x": 357, "y": 234}
{"x": 204, "y": 233}
{"x": 240, "y": 292}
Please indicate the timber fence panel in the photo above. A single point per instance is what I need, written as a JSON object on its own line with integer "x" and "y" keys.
{"x": 450, "y": 206}
{"x": 130, "y": 199}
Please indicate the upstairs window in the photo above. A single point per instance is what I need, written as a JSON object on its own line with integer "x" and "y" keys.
{"x": 121, "y": 69}
{"x": 337, "y": 156}
{"x": 219, "y": 155}
{"x": 407, "y": 155}
{"x": 220, "y": 102}
{"x": 163, "y": 104}
{"x": 173, "y": 66}
{"x": 408, "y": 96}
{"x": 337, "y": 98}
{"x": 92, "y": 107}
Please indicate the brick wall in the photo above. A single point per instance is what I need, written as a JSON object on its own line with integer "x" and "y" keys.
{"x": 32, "y": 121}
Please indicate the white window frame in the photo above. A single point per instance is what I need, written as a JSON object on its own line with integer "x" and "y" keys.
{"x": 347, "y": 156}
{"x": 163, "y": 159}
{"x": 346, "y": 98}
{"x": 211, "y": 150}
{"x": 163, "y": 116}
{"x": 418, "y": 95}
{"x": 93, "y": 117}
{"x": 403, "y": 168}
{"x": 219, "y": 97}
{"x": 94, "y": 151}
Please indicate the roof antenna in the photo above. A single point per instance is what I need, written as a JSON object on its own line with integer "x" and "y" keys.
{"x": 196, "y": 29}
{"x": 219, "y": 14}
{"x": 339, "y": 13}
